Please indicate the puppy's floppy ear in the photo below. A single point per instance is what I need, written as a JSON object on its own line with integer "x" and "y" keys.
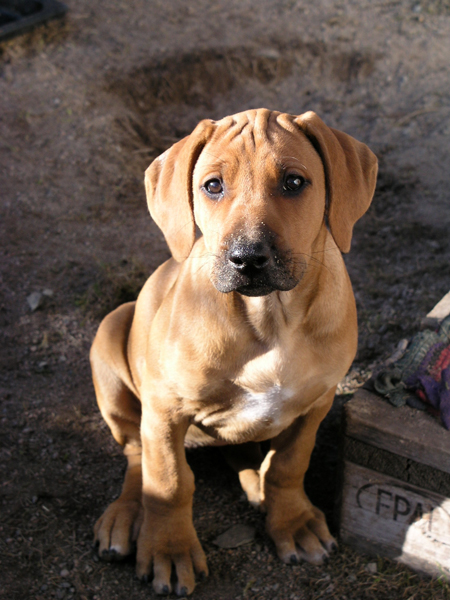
{"x": 350, "y": 174}
{"x": 168, "y": 185}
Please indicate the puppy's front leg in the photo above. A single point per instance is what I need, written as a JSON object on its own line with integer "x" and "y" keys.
{"x": 298, "y": 528}
{"x": 167, "y": 535}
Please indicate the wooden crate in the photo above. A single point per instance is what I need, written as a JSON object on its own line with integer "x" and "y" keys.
{"x": 395, "y": 498}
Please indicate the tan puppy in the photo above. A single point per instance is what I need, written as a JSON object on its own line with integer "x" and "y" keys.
{"x": 241, "y": 337}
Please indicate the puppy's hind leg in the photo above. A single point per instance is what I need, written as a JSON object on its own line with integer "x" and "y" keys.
{"x": 246, "y": 460}
{"x": 116, "y": 531}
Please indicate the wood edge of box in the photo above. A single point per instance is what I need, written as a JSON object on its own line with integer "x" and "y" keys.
{"x": 433, "y": 319}
{"x": 405, "y": 431}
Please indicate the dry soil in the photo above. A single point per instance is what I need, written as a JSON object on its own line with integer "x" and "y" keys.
{"x": 86, "y": 104}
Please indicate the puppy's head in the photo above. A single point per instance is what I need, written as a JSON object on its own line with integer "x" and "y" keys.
{"x": 261, "y": 186}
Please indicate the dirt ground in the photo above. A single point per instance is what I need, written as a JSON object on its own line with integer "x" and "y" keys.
{"x": 85, "y": 105}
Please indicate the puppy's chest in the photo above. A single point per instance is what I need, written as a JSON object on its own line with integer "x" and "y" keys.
{"x": 260, "y": 401}
{"x": 271, "y": 409}
{"x": 265, "y": 373}
{"x": 251, "y": 396}
{"x": 267, "y": 387}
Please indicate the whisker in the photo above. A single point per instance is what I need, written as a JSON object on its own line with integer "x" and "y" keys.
{"x": 220, "y": 160}
{"x": 283, "y": 158}
{"x": 330, "y": 249}
{"x": 315, "y": 260}
{"x": 200, "y": 268}
{"x": 205, "y": 255}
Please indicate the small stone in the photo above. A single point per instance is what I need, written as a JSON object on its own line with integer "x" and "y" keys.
{"x": 271, "y": 53}
{"x": 34, "y": 300}
{"x": 64, "y": 573}
{"x": 372, "y": 568}
{"x": 48, "y": 292}
{"x": 237, "y": 536}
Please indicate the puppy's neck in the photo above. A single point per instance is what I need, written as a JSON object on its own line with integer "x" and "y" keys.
{"x": 268, "y": 316}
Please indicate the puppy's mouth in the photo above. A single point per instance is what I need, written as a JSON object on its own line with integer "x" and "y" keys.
{"x": 253, "y": 269}
{"x": 255, "y": 290}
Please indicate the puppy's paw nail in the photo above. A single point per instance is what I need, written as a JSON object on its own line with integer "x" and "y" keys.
{"x": 333, "y": 547}
{"x": 165, "y": 590}
{"x": 325, "y": 559}
{"x": 183, "y": 591}
{"x": 144, "y": 578}
{"x": 294, "y": 559}
{"x": 202, "y": 576}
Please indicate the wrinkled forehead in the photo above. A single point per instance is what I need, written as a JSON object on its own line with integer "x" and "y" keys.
{"x": 258, "y": 137}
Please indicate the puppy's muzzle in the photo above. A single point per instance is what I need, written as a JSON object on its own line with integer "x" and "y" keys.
{"x": 253, "y": 268}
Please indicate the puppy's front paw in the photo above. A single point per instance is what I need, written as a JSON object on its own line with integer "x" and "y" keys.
{"x": 302, "y": 537}
{"x": 117, "y": 529}
{"x": 166, "y": 542}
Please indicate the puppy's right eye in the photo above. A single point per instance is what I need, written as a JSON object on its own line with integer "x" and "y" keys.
{"x": 213, "y": 188}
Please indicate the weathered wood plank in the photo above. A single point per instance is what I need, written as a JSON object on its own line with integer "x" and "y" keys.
{"x": 405, "y": 431}
{"x": 383, "y": 515}
{"x": 439, "y": 312}
{"x": 396, "y": 466}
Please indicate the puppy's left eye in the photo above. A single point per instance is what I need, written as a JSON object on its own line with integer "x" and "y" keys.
{"x": 294, "y": 183}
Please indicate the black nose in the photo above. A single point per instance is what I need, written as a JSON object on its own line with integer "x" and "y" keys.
{"x": 249, "y": 257}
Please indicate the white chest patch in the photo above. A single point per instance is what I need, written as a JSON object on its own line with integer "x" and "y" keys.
{"x": 266, "y": 408}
